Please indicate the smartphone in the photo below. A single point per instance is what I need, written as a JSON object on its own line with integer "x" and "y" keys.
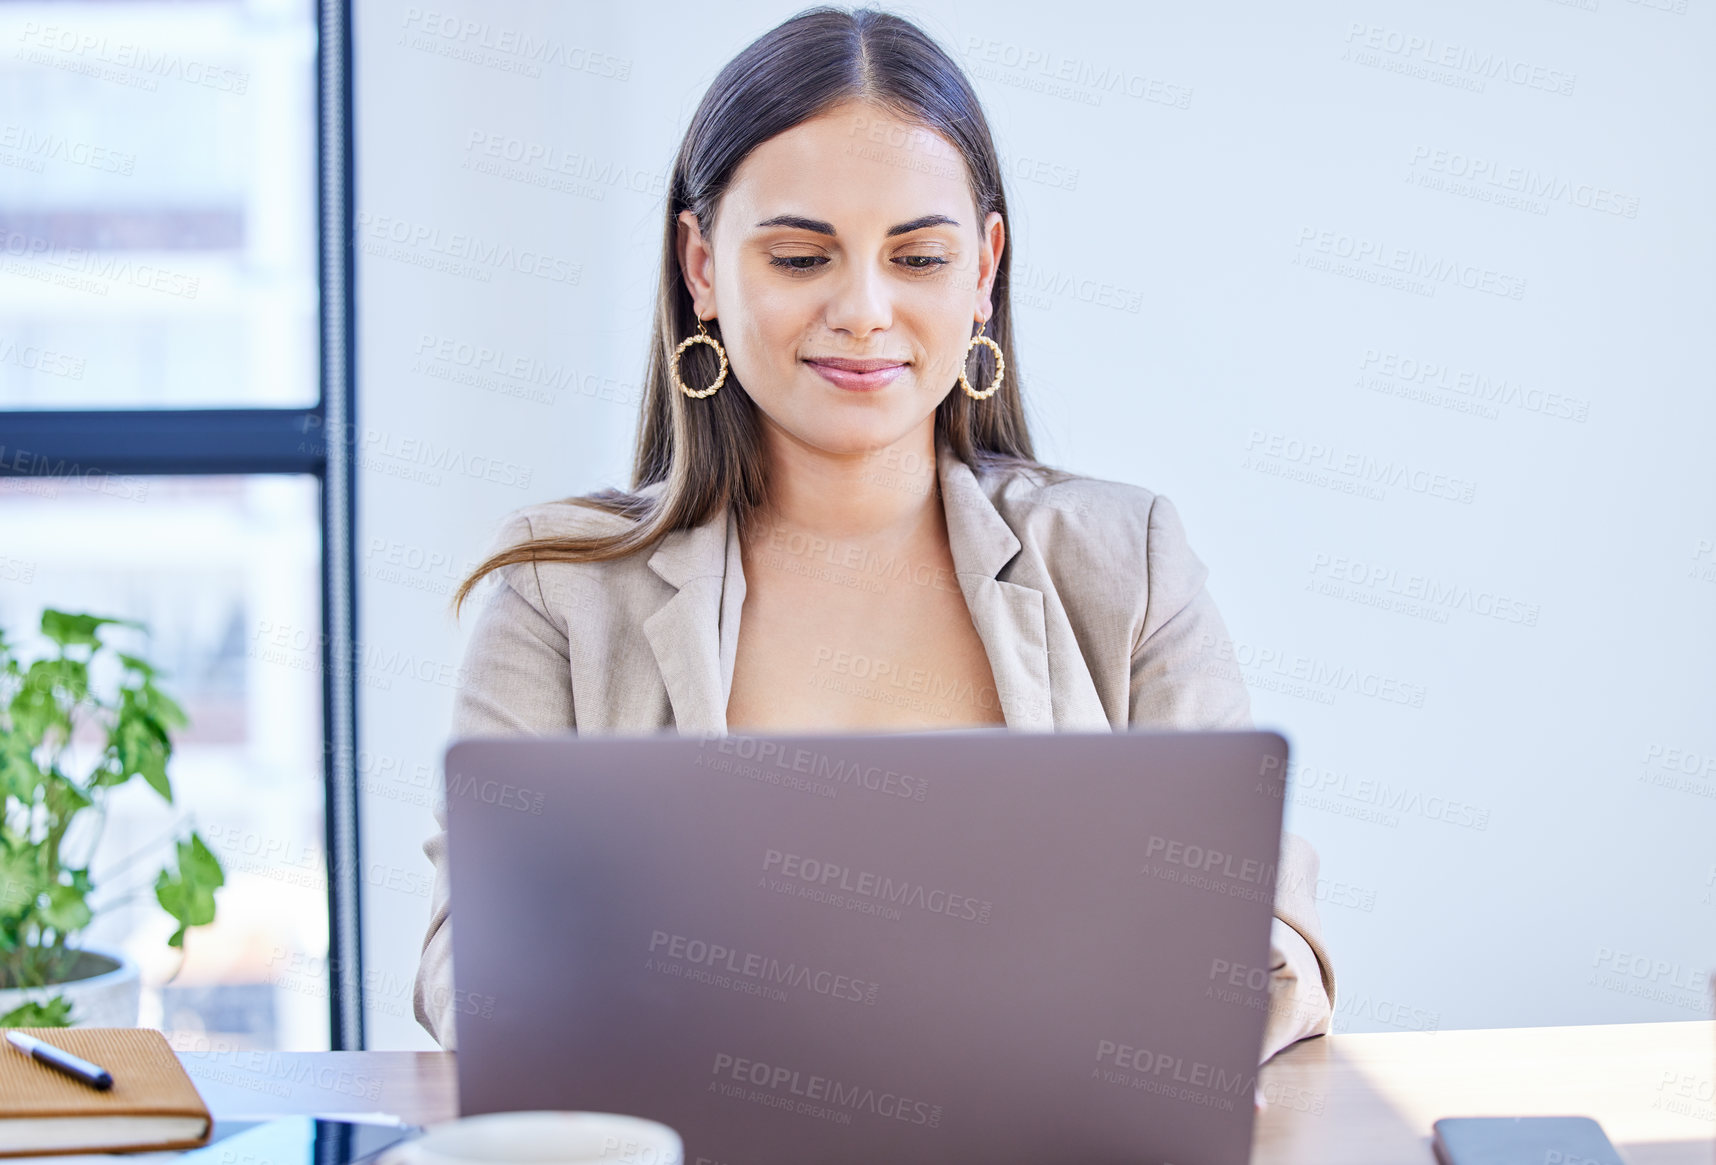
{"x": 301, "y": 1140}
{"x": 1522, "y": 1140}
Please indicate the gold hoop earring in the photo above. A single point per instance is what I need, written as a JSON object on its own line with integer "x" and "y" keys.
{"x": 702, "y": 337}
{"x": 1000, "y": 365}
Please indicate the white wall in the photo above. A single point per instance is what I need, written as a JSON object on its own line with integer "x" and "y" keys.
{"x": 1492, "y": 772}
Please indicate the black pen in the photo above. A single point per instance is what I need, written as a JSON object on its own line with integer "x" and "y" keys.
{"x": 93, "y": 1075}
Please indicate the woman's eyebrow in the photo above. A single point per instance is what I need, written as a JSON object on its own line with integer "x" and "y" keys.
{"x": 817, "y": 226}
{"x": 918, "y": 224}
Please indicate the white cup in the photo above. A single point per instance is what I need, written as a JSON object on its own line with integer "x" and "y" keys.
{"x": 544, "y": 1138}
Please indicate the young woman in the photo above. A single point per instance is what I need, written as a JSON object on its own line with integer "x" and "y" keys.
{"x": 836, "y": 521}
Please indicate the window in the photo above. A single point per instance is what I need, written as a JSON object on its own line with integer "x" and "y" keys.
{"x": 174, "y": 448}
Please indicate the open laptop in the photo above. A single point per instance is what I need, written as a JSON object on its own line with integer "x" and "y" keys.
{"x": 960, "y": 946}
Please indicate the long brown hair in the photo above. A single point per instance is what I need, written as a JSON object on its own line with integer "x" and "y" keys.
{"x": 709, "y": 452}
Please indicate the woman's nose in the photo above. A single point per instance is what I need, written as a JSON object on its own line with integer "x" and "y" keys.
{"x": 860, "y": 303}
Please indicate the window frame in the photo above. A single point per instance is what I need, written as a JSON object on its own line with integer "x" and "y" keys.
{"x": 317, "y": 440}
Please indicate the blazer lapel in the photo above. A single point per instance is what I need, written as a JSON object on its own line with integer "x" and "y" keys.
{"x": 685, "y": 631}
{"x": 1009, "y": 616}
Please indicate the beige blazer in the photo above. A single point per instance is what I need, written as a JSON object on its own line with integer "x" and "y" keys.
{"x": 1088, "y": 599}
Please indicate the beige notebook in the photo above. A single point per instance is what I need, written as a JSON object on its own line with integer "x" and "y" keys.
{"x": 152, "y": 1104}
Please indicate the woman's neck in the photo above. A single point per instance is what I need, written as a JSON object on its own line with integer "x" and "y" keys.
{"x": 889, "y": 496}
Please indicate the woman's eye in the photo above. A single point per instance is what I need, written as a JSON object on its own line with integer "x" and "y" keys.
{"x": 797, "y": 262}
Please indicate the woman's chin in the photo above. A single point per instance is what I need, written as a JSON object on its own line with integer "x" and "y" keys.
{"x": 852, "y": 436}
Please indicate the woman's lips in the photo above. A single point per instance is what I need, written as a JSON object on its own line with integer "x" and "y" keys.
{"x": 858, "y": 375}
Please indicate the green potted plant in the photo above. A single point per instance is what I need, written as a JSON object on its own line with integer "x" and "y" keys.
{"x": 46, "y": 978}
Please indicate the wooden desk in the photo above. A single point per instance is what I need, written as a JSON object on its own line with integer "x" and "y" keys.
{"x": 1359, "y": 1099}
{"x": 1371, "y": 1098}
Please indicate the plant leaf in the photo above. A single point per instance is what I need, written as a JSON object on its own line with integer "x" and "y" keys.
{"x": 56, "y": 1012}
{"x": 19, "y": 776}
{"x": 170, "y": 893}
{"x": 142, "y": 747}
{"x": 154, "y": 770}
{"x": 162, "y": 708}
{"x": 39, "y": 707}
{"x": 72, "y": 630}
{"x": 17, "y": 881}
{"x": 62, "y": 796}
{"x": 197, "y": 858}
{"x": 66, "y": 911}
{"x": 180, "y": 893}
{"x": 141, "y": 666}
{"x": 34, "y": 709}
{"x": 72, "y": 676}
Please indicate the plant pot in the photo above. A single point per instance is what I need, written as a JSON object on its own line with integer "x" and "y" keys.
{"x": 105, "y": 988}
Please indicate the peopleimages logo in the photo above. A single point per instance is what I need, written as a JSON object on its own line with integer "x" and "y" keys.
{"x": 822, "y": 1090}
{"x": 1475, "y": 385}
{"x": 89, "y": 51}
{"x": 1207, "y": 860}
{"x": 1351, "y": 469}
{"x": 827, "y": 878}
{"x": 750, "y": 965}
{"x": 1364, "y": 256}
{"x": 1435, "y": 593}
{"x": 820, "y": 765}
{"x": 1371, "y": 798}
{"x": 1478, "y": 173}
{"x": 491, "y": 792}
{"x": 1165, "y": 1074}
{"x": 43, "y": 360}
{"x": 461, "y": 37}
{"x": 86, "y": 268}
{"x": 1477, "y": 65}
{"x": 1322, "y": 674}
{"x": 409, "y": 456}
{"x": 1070, "y": 77}
{"x": 458, "y": 252}
{"x": 39, "y": 147}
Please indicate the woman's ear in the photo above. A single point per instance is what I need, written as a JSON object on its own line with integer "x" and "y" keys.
{"x": 990, "y": 245}
{"x": 696, "y": 264}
